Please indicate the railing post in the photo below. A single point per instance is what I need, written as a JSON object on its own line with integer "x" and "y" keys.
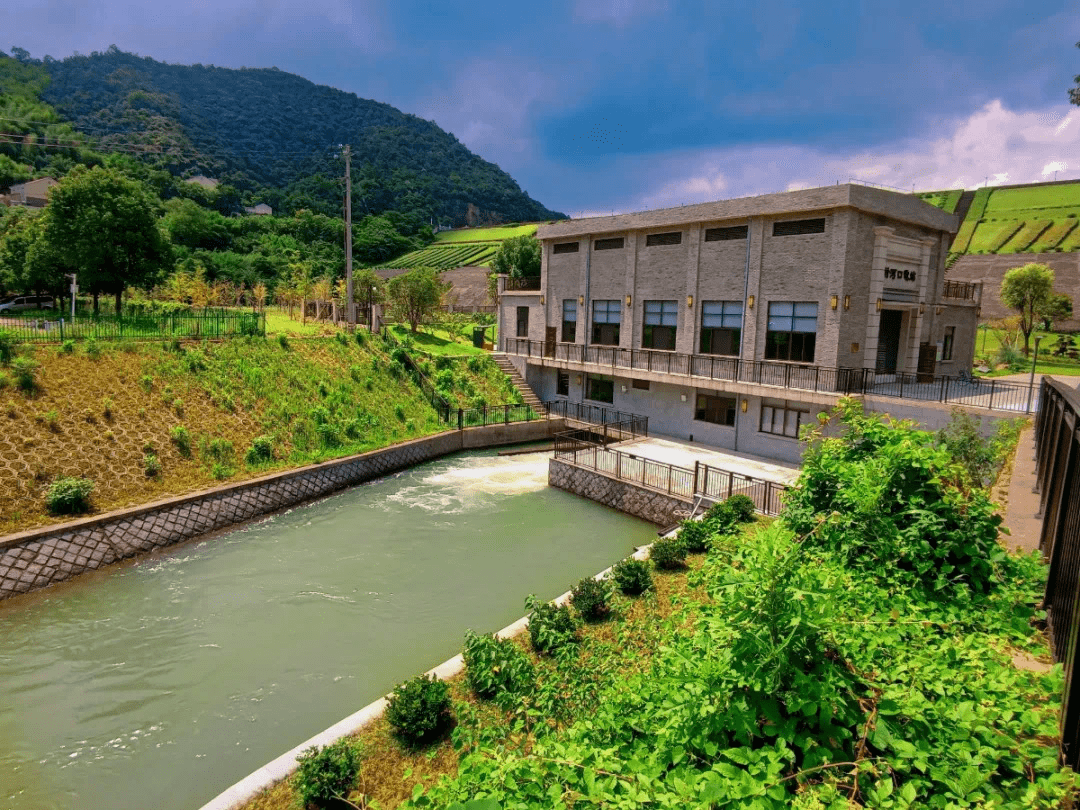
{"x": 506, "y": 414}
{"x": 817, "y": 370}
{"x": 943, "y": 390}
{"x": 901, "y": 376}
{"x": 696, "y": 465}
{"x": 991, "y": 405}
{"x": 459, "y": 415}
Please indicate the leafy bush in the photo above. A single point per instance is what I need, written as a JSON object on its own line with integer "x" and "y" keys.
{"x": 283, "y": 342}
{"x": 551, "y": 627}
{"x": 52, "y": 420}
{"x": 151, "y": 465}
{"x": 93, "y": 348}
{"x": 632, "y": 577}
{"x": 178, "y": 406}
{"x": 181, "y": 439}
{"x": 1010, "y": 356}
{"x": 195, "y": 360}
{"x": 220, "y": 471}
{"x": 107, "y": 407}
{"x": 261, "y": 451}
{"x": 591, "y": 598}
{"x": 742, "y": 508}
{"x": 399, "y": 412}
{"x": 342, "y": 338}
{"x": 668, "y": 553}
{"x": 67, "y": 347}
{"x": 69, "y": 496}
{"x": 25, "y": 374}
{"x": 419, "y": 710}
{"x": 326, "y": 773}
{"x": 496, "y": 668}
{"x": 147, "y": 383}
{"x": 7, "y": 346}
{"x": 694, "y": 535}
{"x": 361, "y": 337}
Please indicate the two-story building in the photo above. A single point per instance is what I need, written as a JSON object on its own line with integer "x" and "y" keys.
{"x": 733, "y": 323}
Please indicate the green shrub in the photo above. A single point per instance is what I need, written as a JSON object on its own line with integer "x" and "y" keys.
{"x": 475, "y": 364}
{"x": 93, "y": 348}
{"x": 695, "y": 535}
{"x": 324, "y": 388}
{"x": 357, "y": 373}
{"x": 52, "y": 420}
{"x": 632, "y": 577}
{"x": 178, "y": 406}
{"x": 67, "y": 347}
{"x": 442, "y": 362}
{"x": 69, "y": 496}
{"x": 195, "y": 360}
{"x": 323, "y": 774}
{"x": 218, "y": 450}
{"x": 419, "y": 710}
{"x": 399, "y": 412}
{"x": 361, "y": 337}
{"x": 151, "y": 465}
{"x": 1011, "y": 357}
{"x": 342, "y": 338}
{"x": 329, "y": 435}
{"x": 147, "y": 383}
{"x": 107, "y": 407}
{"x": 742, "y": 508}
{"x": 591, "y": 598}
{"x": 220, "y": 471}
{"x": 551, "y": 627}
{"x": 25, "y": 374}
{"x": 496, "y": 668}
{"x": 668, "y": 553}
{"x": 283, "y": 342}
{"x": 261, "y": 451}
{"x": 176, "y": 347}
{"x": 181, "y": 439}
{"x": 7, "y": 346}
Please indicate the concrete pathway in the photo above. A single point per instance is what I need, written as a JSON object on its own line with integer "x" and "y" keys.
{"x": 1023, "y": 503}
{"x": 683, "y": 454}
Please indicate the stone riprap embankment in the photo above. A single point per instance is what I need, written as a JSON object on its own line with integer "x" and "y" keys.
{"x": 655, "y": 507}
{"x": 40, "y": 557}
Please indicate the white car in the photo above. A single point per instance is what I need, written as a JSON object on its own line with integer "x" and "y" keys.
{"x": 21, "y": 302}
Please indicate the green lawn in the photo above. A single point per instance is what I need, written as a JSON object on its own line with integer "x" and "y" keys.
{"x": 485, "y": 234}
{"x": 988, "y": 343}
{"x": 436, "y": 341}
{"x": 279, "y": 322}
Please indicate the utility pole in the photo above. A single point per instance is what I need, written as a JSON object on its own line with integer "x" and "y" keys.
{"x": 350, "y": 307}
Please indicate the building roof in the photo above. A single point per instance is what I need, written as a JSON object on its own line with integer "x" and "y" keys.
{"x": 891, "y": 204}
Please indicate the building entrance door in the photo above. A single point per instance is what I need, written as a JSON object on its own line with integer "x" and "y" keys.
{"x": 888, "y": 347}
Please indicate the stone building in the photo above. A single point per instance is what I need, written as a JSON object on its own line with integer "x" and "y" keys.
{"x": 734, "y": 322}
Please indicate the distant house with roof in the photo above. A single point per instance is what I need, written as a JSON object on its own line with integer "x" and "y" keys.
{"x": 33, "y": 193}
{"x": 260, "y": 210}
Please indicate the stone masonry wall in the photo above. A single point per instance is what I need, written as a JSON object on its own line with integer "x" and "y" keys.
{"x": 654, "y": 507}
{"x": 40, "y": 557}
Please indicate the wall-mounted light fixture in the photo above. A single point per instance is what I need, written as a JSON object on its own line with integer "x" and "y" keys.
{"x": 577, "y": 379}
{"x": 922, "y": 308}
{"x": 879, "y": 305}
{"x": 682, "y": 397}
{"x": 745, "y": 405}
{"x": 541, "y": 300}
{"x": 833, "y": 301}
{"x": 937, "y": 310}
{"x": 623, "y": 387}
{"x": 847, "y": 302}
{"x": 978, "y": 312}
{"x": 581, "y": 300}
{"x": 750, "y": 302}
{"x": 689, "y": 301}
{"x": 854, "y": 348}
{"x": 628, "y": 300}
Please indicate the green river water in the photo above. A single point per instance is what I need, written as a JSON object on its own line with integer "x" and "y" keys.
{"x": 160, "y": 683}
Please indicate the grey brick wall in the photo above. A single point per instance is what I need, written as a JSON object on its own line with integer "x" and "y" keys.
{"x": 38, "y": 558}
{"x": 655, "y": 507}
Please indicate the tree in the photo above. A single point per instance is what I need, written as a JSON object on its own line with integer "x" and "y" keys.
{"x": 105, "y": 225}
{"x": 518, "y": 257}
{"x": 375, "y": 240}
{"x": 1028, "y": 290}
{"x": 1074, "y": 93}
{"x": 415, "y": 295}
{"x": 1058, "y": 308}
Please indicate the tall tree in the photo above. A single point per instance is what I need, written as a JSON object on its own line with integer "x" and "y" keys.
{"x": 518, "y": 257}
{"x": 1028, "y": 290}
{"x": 414, "y": 296}
{"x": 105, "y": 225}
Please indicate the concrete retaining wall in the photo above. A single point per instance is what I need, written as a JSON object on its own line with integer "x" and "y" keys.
{"x": 40, "y": 557}
{"x": 655, "y": 507}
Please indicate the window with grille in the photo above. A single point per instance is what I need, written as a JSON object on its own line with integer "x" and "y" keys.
{"x": 721, "y": 327}
{"x": 947, "y": 343}
{"x": 795, "y": 227}
{"x": 782, "y": 418}
{"x": 718, "y": 410}
{"x": 600, "y": 388}
{"x": 614, "y": 243}
{"x": 661, "y": 321}
{"x": 727, "y": 234}
{"x": 565, "y": 247}
{"x": 791, "y": 333}
{"x": 569, "y": 320}
{"x": 522, "y": 322}
{"x": 562, "y": 384}
{"x": 606, "y": 318}
{"x": 655, "y": 239}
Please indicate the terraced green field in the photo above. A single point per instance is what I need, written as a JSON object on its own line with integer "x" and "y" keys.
{"x": 485, "y": 234}
{"x": 1037, "y": 219}
{"x": 465, "y": 247}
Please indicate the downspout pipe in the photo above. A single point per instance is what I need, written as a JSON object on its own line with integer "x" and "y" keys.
{"x": 742, "y": 336}
{"x": 583, "y": 316}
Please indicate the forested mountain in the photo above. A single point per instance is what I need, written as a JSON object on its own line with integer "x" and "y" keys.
{"x": 272, "y": 135}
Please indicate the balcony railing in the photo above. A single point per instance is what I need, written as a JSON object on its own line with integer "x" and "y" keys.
{"x": 524, "y": 284}
{"x": 990, "y": 394}
{"x": 963, "y": 290}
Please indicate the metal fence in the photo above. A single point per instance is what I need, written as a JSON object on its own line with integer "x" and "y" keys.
{"x": 184, "y": 325}
{"x": 576, "y": 448}
{"x": 1057, "y": 465}
{"x": 991, "y": 394}
{"x": 442, "y": 406}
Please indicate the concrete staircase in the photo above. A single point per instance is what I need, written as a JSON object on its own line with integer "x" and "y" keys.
{"x": 527, "y": 394}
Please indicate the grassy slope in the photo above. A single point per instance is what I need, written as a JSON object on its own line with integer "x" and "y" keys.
{"x": 467, "y": 246}
{"x": 318, "y": 399}
{"x": 485, "y": 234}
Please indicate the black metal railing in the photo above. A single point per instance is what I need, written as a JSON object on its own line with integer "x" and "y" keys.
{"x": 522, "y": 284}
{"x": 208, "y": 325}
{"x": 1057, "y": 467}
{"x": 578, "y": 449}
{"x": 963, "y": 290}
{"x": 399, "y": 353}
{"x": 974, "y": 392}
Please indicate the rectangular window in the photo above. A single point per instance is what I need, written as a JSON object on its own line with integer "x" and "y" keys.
{"x": 614, "y": 243}
{"x": 655, "y": 239}
{"x": 661, "y": 320}
{"x": 641, "y": 385}
{"x": 721, "y": 327}
{"x": 795, "y": 227}
{"x": 565, "y": 247}
{"x": 718, "y": 410}
{"x": 606, "y": 317}
{"x": 522, "y": 322}
{"x": 569, "y": 320}
{"x": 783, "y": 418}
{"x": 727, "y": 234}
{"x": 792, "y": 331}
{"x": 600, "y": 388}
{"x": 562, "y": 384}
{"x": 947, "y": 342}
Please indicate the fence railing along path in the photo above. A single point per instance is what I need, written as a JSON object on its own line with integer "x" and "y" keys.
{"x": 980, "y": 393}
{"x": 210, "y": 325}
{"x": 577, "y": 448}
{"x": 1057, "y": 468}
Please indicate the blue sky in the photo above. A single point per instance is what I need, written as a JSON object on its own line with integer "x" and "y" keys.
{"x": 618, "y": 105}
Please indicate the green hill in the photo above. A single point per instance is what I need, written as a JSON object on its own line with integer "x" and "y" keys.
{"x": 458, "y": 248}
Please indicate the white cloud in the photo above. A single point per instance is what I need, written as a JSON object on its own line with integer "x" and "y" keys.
{"x": 994, "y": 146}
